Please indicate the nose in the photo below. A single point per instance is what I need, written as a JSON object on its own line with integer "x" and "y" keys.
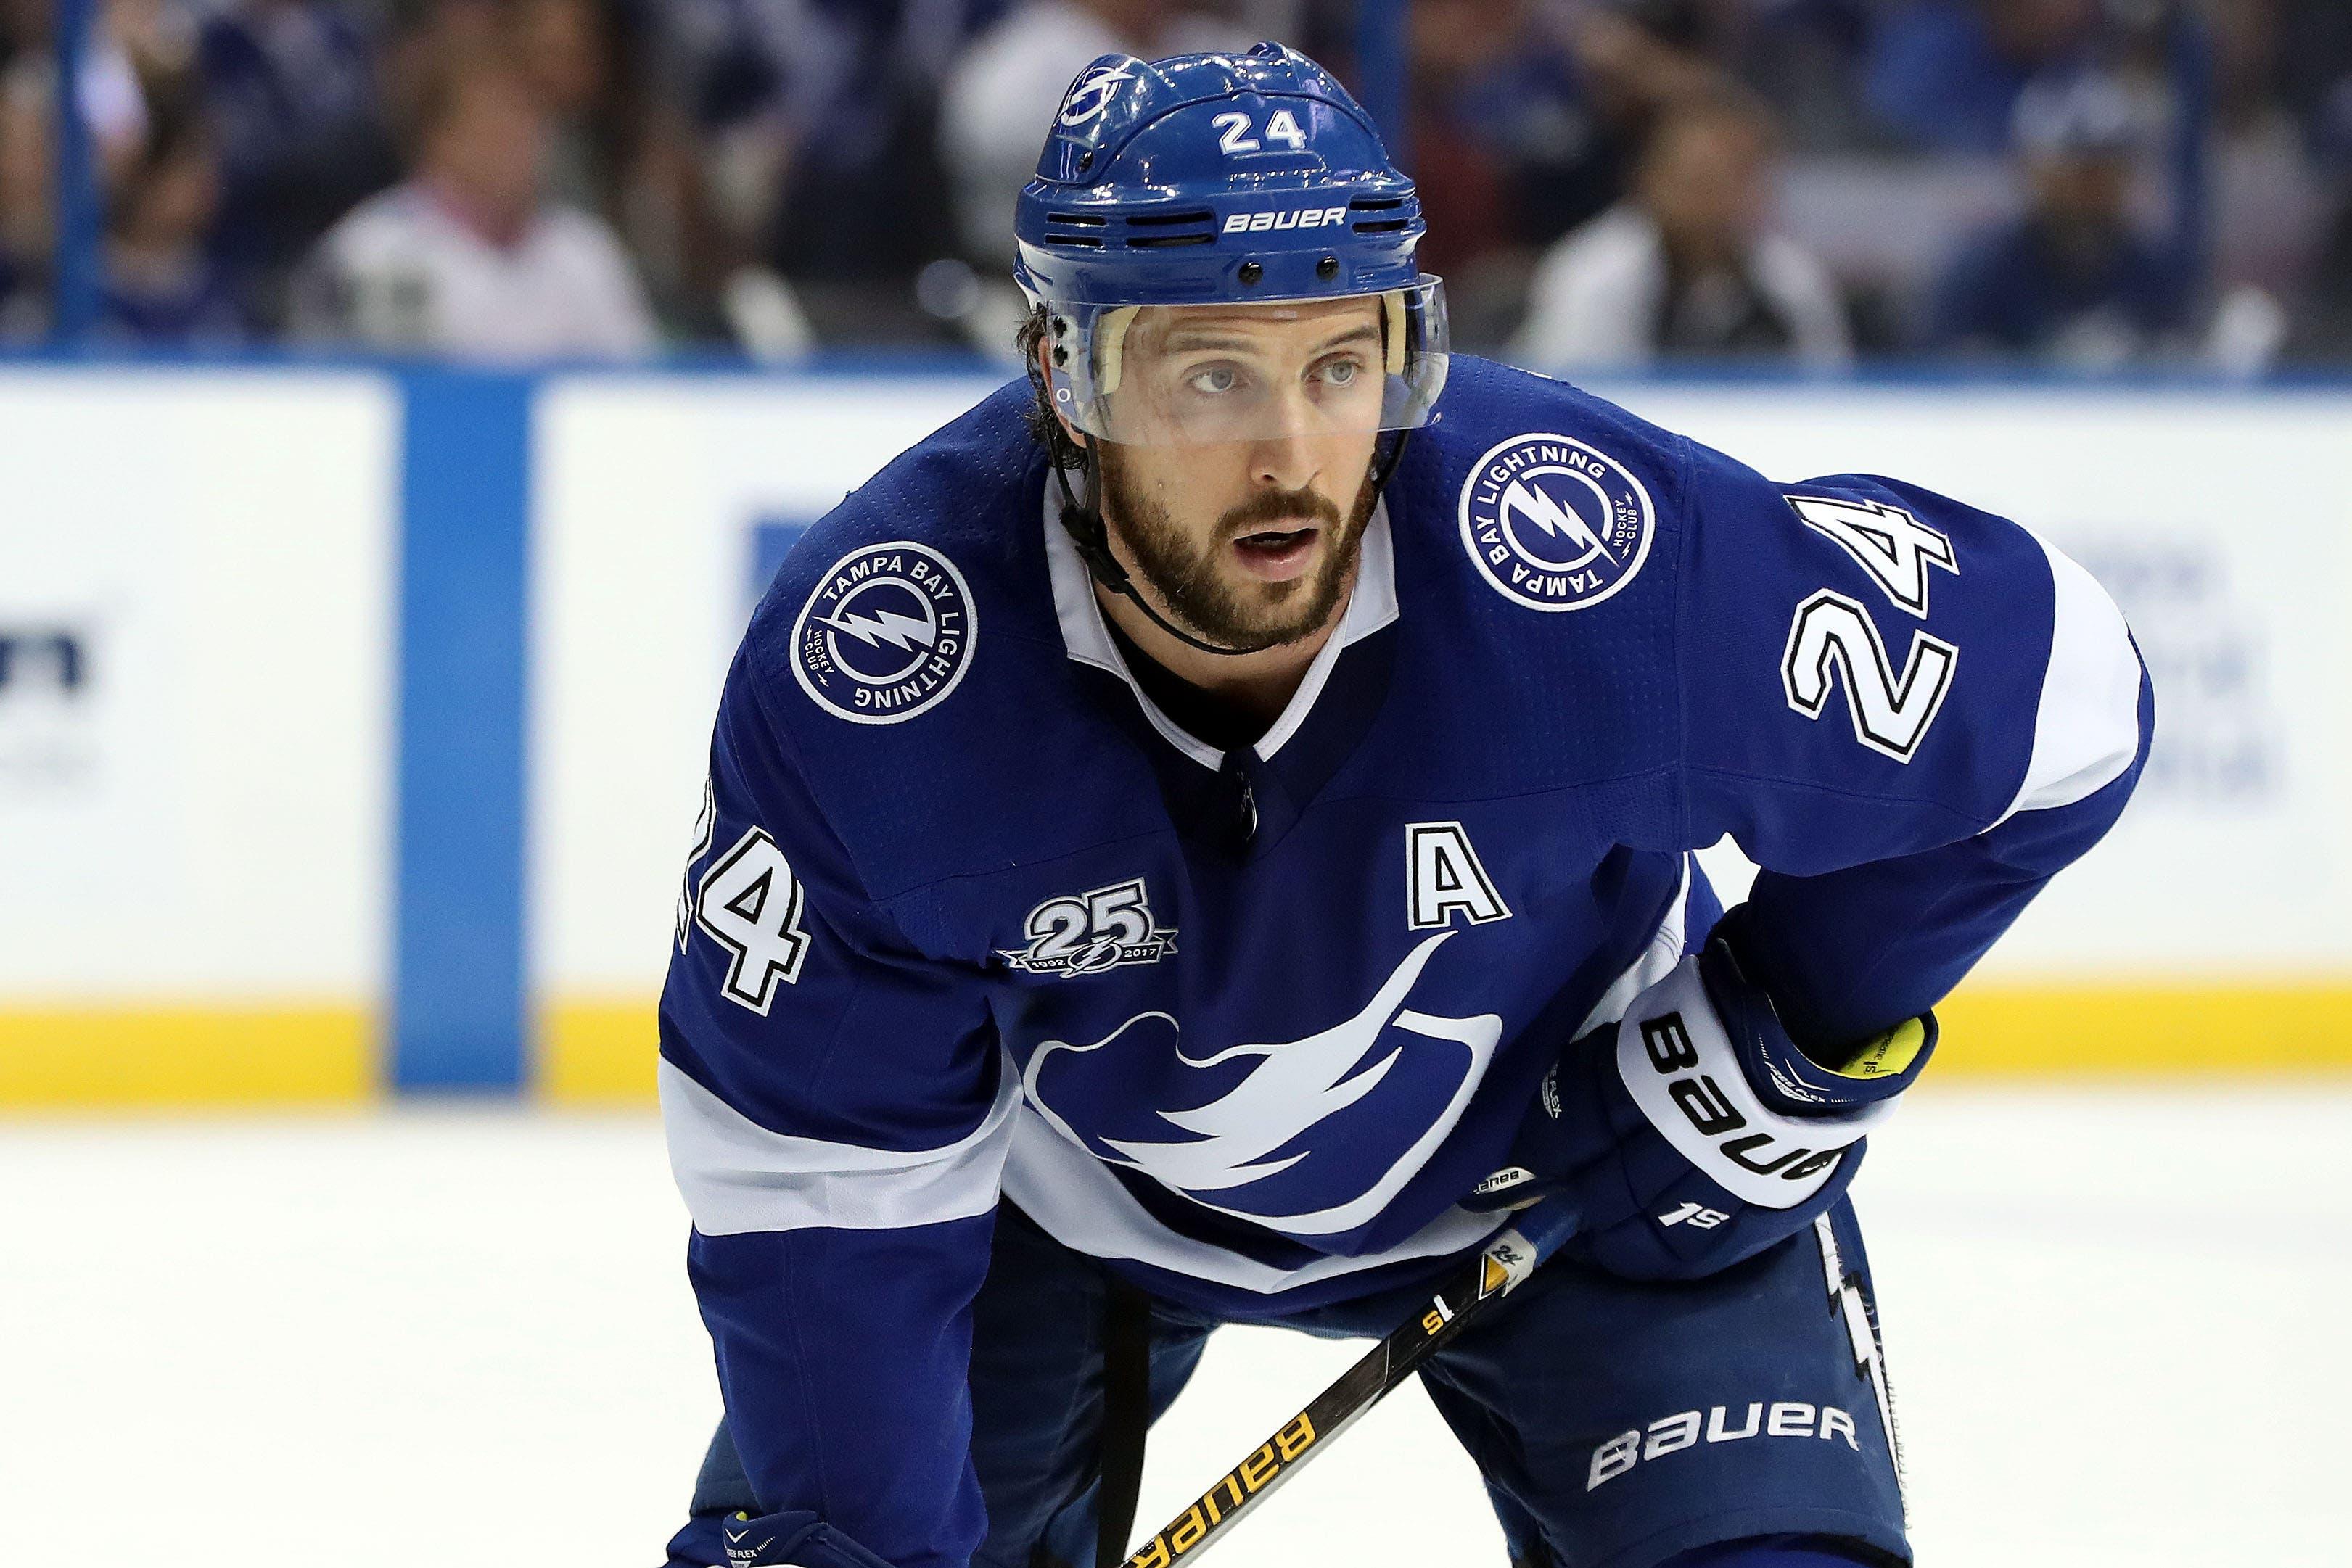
{"x": 1285, "y": 462}
{"x": 1284, "y": 456}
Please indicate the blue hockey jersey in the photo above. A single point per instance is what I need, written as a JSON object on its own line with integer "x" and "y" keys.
{"x": 969, "y": 916}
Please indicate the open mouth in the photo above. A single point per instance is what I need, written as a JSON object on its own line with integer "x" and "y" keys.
{"x": 1276, "y": 553}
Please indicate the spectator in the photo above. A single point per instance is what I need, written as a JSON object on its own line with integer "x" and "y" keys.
{"x": 2314, "y": 58}
{"x": 2322, "y": 331}
{"x": 2323, "y": 334}
{"x": 115, "y": 107}
{"x": 1688, "y": 265}
{"x": 989, "y": 139}
{"x": 1806, "y": 57}
{"x": 2073, "y": 280}
{"x": 163, "y": 285}
{"x": 989, "y": 113}
{"x": 1527, "y": 119}
{"x": 468, "y": 255}
{"x": 1946, "y": 74}
{"x": 2268, "y": 205}
{"x": 1547, "y": 109}
{"x": 623, "y": 147}
{"x": 1490, "y": 98}
{"x": 819, "y": 121}
{"x": 291, "y": 87}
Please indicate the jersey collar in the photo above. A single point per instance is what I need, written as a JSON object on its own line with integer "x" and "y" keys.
{"x": 1372, "y": 606}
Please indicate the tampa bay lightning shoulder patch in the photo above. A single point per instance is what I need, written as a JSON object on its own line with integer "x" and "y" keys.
{"x": 1554, "y": 524}
{"x": 885, "y": 633}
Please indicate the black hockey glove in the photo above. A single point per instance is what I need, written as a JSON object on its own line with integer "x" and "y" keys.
{"x": 798, "y": 1539}
{"x": 1694, "y": 1133}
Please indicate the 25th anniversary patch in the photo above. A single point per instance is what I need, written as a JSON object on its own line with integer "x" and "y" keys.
{"x": 886, "y": 634}
{"x": 1554, "y": 524}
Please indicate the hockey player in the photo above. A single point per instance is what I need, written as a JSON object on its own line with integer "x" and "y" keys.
{"x": 1196, "y": 837}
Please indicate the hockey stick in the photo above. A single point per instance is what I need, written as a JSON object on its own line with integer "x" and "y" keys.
{"x": 1497, "y": 1270}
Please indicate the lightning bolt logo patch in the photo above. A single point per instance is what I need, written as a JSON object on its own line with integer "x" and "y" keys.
{"x": 1554, "y": 524}
{"x": 886, "y": 628}
{"x": 886, "y": 635}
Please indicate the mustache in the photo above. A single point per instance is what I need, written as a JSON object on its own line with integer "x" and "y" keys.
{"x": 1271, "y": 508}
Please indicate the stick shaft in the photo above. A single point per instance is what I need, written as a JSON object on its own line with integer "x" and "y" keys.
{"x": 1486, "y": 1279}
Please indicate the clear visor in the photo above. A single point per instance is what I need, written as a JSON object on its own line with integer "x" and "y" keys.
{"x": 1175, "y": 375}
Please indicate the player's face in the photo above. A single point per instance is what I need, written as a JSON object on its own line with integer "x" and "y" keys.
{"x": 1248, "y": 525}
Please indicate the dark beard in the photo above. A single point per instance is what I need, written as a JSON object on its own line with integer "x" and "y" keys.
{"x": 1262, "y": 614}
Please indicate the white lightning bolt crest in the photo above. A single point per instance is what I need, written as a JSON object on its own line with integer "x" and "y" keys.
{"x": 1553, "y": 518}
{"x": 1235, "y": 1139}
{"x": 902, "y": 632}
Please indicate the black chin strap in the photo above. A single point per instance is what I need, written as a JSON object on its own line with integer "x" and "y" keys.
{"x": 1083, "y": 523}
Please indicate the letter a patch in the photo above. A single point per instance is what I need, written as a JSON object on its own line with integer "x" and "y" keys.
{"x": 1443, "y": 877}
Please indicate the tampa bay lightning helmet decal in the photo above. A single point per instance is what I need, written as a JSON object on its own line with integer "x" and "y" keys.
{"x": 1554, "y": 524}
{"x": 1090, "y": 95}
{"x": 886, "y": 634}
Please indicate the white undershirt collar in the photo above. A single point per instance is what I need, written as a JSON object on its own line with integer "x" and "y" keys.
{"x": 1372, "y": 606}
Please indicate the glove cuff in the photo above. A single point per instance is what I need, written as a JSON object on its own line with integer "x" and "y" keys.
{"x": 1787, "y": 1078}
{"x": 799, "y": 1540}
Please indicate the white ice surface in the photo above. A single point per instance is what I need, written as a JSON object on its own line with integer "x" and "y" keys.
{"x": 2117, "y": 1321}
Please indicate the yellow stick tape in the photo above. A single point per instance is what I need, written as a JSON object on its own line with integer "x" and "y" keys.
{"x": 68, "y": 1057}
{"x": 602, "y": 1052}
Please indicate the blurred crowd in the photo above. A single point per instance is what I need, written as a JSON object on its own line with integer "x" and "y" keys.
{"x": 1608, "y": 184}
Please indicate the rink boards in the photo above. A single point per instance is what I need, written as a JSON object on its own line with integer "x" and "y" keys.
{"x": 353, "y": 720}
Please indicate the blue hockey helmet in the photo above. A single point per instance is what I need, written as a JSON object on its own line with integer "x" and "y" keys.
{"x": 1212, "y": 182}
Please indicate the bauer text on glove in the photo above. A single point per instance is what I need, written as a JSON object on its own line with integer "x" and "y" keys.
{"x": 1694, "y": 1133}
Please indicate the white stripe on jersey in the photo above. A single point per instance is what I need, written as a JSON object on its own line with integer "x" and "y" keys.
{"x": 1077, "y": 1201}
{"x": 738, "y": 1176}
{"x": 2086, "y": 730}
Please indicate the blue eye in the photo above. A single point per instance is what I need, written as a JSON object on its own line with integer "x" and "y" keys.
{"x": 1214, "y": 379}
{"x": 1340, "y": 372}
